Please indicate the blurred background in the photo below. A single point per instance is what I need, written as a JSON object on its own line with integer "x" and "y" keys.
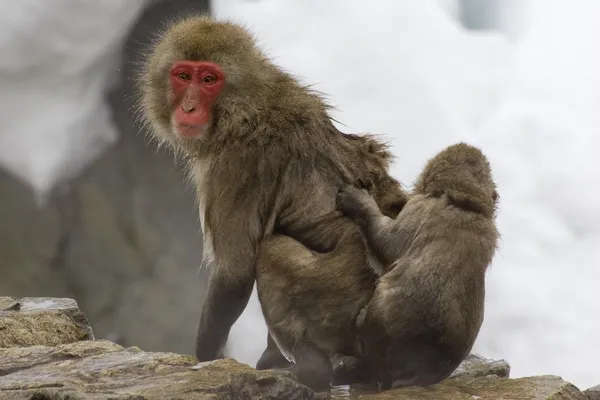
{"x": 90, "y": 209}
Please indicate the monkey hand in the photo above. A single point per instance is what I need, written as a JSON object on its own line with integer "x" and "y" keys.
{"x": 209, "y": 345}
{"x": 364, "y": 183}
{"x": 204, "y": 355}
{"x": 352, "y": 201}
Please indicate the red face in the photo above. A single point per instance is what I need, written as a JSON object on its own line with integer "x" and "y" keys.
{"x": 195, "y": 85}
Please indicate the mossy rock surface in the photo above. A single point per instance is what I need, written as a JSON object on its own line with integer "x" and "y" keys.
{"x": 41, "y": 321}
{"x": 48, "y": 352}
{"x": 103, "y": 370}
{"x": 491, "y": 387}
{"x": 475, "y": 365}
{"x": 479, "y": 378}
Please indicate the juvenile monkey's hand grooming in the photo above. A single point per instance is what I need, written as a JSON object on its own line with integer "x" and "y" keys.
{"x": 354, "y": 201}
{"x": 264, "y": 154}
{"x": 360, "y": 205}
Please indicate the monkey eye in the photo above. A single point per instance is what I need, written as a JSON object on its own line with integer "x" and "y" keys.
{"x": 210, "y": 79}
{"x": 184, "y": 76}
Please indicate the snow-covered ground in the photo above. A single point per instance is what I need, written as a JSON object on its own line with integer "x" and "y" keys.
{"x": 406, "y": 69}
{"x": 401, "y": 68}
{"x": 58, "y": 58}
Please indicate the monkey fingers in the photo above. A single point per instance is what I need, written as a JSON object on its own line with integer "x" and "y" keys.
{"x": 353, "y": 202}
{"x": 364, "y": 183}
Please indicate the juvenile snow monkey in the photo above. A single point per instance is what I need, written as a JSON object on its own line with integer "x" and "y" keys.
{"x": 427, "y": 309}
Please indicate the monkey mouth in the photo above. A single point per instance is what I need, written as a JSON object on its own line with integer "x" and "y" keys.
{"x": 191, "y": 130}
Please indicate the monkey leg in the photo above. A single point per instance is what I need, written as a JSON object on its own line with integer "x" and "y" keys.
{"x": 322, "y": 234}
{"x": 284, "y": 266}
{"x": 272, "y": 357}
{"x": 225, "y": 300}
{"x": 312, "y": 367}
{"x": 349, "y": 370}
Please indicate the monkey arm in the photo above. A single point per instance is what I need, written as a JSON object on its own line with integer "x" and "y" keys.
{"x": 232, "y": 275}
{"x": 377, "y": 229}
{"x": 226, "y": 298}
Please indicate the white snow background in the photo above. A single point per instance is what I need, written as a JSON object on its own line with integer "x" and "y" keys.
{"x": 58, "y": 59}
{"x": 406, "y": 69}
{"x": 401, "y": 68}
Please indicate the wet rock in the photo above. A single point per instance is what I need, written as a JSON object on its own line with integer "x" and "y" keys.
{"x": 475, "y": 365}
{"x": 491, "y": 387}
{"x": 41, "y": 321}
{"x": 104, "y": 370}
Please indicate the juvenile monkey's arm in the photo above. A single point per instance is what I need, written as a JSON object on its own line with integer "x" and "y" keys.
{"x": 376, "y": 228}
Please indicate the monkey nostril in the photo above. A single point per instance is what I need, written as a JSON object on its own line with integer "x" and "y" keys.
{"x": 187, "y": 108}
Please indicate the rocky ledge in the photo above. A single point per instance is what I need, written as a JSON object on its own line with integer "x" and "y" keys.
{"x": 48, "y": 352}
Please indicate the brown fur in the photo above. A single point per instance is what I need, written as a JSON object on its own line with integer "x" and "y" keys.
{"x": 311, "y": 299}
{"x": 427, "y": 309}
{"x": 272, "y": 162}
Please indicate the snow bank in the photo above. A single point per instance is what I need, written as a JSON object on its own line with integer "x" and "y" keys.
{"x": 57, "y": 59}
{"x": 406, "y": 70}
{"x": 543, "y": 306}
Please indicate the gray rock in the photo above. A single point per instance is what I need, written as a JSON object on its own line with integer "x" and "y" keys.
{"x": 491, "y": 387}
{"x": 475, "y": 366}
{"x": 41, "y": 321}
{"x": 29, "y": 241}
{"x": 593, "y": 393}
{"x": 104, "y": 370}
{"x": 49, "y": 354}
{"x": 123, "y": 238}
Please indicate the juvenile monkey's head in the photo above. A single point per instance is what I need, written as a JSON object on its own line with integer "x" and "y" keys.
{"x": 196, "y": 81}
{"x": 463, "y": 173}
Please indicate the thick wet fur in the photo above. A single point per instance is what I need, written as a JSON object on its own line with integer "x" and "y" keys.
{"x": 267, "y": 163}
{"x": 428, "y": 307}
